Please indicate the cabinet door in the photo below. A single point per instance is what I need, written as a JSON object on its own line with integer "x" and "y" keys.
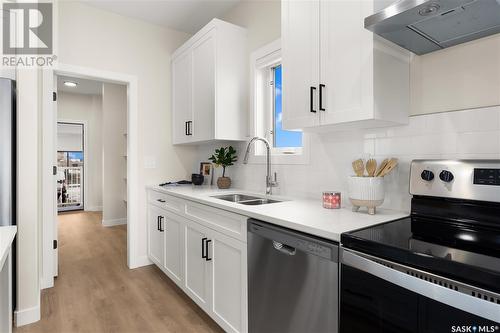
{"x": 203, "y": 96}
{"x": 174, "y": 231}
{"x": 197, "y": 275}
{"x": 182, "y": 117}
{"x": 156, "y": 239}
{"x": 229, "y": 276}
{"x": 342, "y": 68}
{"x": 300, "y": 53}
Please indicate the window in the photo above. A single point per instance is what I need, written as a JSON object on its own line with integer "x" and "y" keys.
{"x": 288, "y": 147}
{"x": 281, "y": 138}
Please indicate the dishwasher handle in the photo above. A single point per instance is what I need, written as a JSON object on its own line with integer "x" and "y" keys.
{"x": 292, "y": 241}
{"x": 285, "y": 249}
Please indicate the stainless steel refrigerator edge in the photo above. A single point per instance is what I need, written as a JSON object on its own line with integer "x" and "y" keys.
{"x": 292, "y": 281}
{"x": 7, "y": 152}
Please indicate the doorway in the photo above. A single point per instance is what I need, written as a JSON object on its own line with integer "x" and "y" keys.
{"x": 70, "y": 166}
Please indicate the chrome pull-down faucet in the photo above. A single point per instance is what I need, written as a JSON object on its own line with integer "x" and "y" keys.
{"x": 270, "y": 182}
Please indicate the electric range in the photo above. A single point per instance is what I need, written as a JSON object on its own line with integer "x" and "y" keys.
{"x": 437, "y": 270}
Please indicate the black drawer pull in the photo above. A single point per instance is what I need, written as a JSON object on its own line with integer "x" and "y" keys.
{"x": 321, "y": 86}
{"x": 312, "y": 99}
{"x": 203, "y": 255}
{"x": 161, "y": 224}
{"x": 160, "y": 200}
{"x": 206, "y": 250}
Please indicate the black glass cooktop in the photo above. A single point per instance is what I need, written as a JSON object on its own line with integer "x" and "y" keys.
{"x": 460, "y": 250}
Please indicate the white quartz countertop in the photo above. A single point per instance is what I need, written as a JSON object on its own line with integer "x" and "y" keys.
{"x": 307, "y": 216}
{"x": 7, "y": 234}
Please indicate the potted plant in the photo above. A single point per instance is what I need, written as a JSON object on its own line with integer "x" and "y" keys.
{"x": 225, "y": 156}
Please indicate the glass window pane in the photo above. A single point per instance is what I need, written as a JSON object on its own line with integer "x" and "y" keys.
{"x": 282, "y": 138}
{"x": 75, "y": 158}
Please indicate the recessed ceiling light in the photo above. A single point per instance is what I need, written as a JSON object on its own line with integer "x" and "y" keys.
{"x": 70, "y": 84}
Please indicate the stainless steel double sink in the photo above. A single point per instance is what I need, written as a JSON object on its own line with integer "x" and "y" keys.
{"x": 245, "y": 199}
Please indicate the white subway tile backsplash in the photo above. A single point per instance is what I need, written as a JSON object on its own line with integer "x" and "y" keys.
{"x": 478, "y": 142}
{"x": 469, "y": 134}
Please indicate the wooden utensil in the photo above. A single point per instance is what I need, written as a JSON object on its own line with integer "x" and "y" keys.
{"x": 389, "y": 167}
{"x": 359, "y": 167}
{"x": 371, "y": 167}
{"x": 381, "y": 167}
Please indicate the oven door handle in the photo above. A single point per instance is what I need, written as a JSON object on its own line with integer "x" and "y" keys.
{"x": 456, "y": 299}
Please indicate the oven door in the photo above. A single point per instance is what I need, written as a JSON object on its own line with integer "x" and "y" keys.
{"x": 378, "y": 298}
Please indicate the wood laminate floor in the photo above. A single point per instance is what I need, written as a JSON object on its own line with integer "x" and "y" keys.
{"x": 96, "y": 292}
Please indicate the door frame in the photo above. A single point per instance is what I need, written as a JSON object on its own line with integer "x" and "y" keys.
{"x": 49, "y": 119}
{"x": 85, "y": 153}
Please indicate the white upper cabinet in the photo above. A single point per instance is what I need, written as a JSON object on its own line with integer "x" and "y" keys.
{"x": 349, "y": 78}
{"x": 209, "y": 85}
{"x": 300, "y": 30}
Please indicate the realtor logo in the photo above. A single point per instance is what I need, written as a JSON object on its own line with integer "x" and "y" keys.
{"x": 27, "y": 28}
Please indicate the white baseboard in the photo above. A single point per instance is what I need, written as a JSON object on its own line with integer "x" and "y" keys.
{"x": 94, "y": 209}
{"x": 110, "y": 223}
{"x": 27, "y": 316}
{"x": 140, "y": 262}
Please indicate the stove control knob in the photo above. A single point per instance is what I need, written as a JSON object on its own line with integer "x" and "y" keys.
{"x": 446, "y": 176}
{"x": 427, "y": 175}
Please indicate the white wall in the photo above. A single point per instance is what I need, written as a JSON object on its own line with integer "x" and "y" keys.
{"x": 114, "y": 145}
{"x": 88, "y": 108}
{"x": 262, "y": 19}
{"x": 90, "y": 37}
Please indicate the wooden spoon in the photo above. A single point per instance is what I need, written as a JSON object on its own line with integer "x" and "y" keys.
{"x": 393, "y": 162}
{"x": 359, "y": 167}
{"x": 381, "y": 167}
{"x": 371, "y": 167}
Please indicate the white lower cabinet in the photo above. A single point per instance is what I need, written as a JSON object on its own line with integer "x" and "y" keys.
{"x": 174, "y": 231}
{"x": 156, "y": 243}
{"x": 209, "y": 266}
{"x": 229, "y": 282}
{"x": 197, "y": 281}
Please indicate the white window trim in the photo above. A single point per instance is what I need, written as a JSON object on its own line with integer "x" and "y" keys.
{"x": 260, "y": 61}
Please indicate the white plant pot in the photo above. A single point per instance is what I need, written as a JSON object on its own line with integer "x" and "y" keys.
{"x": 366, "y": 192}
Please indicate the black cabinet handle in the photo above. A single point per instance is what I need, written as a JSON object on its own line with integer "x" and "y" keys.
{"x": 160, "y": 200}
{"x": 321, "y": 86}
{"x": 190, "y": 128}
{"x": 312, "y": 99}
{"x": 206, "y": 250}
{"x": 158, "y": 223}
{"x": 186, "y": 128}
{"x": 203, "y": 255}
{"x": 161, "y": 224}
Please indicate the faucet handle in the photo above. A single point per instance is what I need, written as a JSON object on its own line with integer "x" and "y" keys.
{"x": 274, "y": 182}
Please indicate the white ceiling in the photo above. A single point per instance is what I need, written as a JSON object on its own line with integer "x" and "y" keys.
{"x": 183, "y": 15}
{"x": 87, "y": 87}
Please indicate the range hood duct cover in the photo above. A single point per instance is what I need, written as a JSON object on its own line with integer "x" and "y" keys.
{"x": 426, "y": 26}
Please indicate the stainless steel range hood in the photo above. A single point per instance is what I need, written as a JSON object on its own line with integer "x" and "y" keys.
{"x": 426, "y": 26}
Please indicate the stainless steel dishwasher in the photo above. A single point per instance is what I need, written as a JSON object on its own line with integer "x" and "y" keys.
{"x": 292, "y": 281}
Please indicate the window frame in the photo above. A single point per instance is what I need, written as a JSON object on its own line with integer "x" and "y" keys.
{"x": 262, "y": 99}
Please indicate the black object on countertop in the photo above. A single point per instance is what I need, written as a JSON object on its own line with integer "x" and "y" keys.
{"x": 197, "y": 178}
{"x": 180, "y": 182}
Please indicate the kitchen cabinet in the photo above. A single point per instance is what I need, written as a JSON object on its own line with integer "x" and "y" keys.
{"x": 204, "y": 251}
{"x": 174, "y": 232}
{"x": 216, "y": 275}
{"x": 336, "y": 74}
{"x": 156, "y": 240}
{"x": 209, "y": 85}
{"x": 229, "y": 282}
{"x": 197, "y": 281}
